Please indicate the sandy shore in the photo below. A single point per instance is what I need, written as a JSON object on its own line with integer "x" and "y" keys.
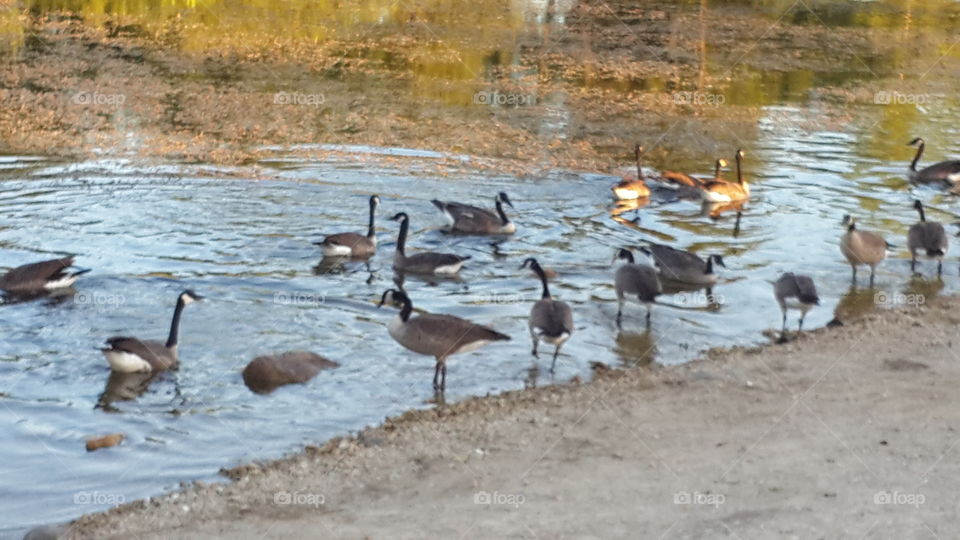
{"x": 849, "y": 432}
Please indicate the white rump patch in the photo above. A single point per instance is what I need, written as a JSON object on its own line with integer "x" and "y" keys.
{"x": 124, "y": 362}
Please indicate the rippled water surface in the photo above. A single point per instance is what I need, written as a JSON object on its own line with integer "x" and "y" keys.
{"x": 147, "y": 232}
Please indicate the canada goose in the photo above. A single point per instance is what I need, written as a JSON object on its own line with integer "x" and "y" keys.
{"x": 630, "y": 189}
{"x": 862, "y": 247}
{"x": 681, "y": 179}
{"x": 130, "y": 355}
{"x": 635, "y": 279}
{"x": 439, "y": 336}
{"x": 795, "y": 292}
{"x": 464, "y": 218}
{"x": 551, "y": 321}
{"x": 683, "y": 266}
{"x": 929, "y": 237}
{"x": 719, "y": 190}
{"x": 945, "y": 171}
{"x": 350, "y": 244}
{"x": 40, "y": 277}
{"x": 266, "y": 373}
{"x": 426, "y": 262}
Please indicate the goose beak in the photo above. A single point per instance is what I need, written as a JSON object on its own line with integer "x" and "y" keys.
{"x": 198, "y": 298}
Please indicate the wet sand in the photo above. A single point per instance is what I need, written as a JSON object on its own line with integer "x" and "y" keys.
{"x": 848, "y": 432}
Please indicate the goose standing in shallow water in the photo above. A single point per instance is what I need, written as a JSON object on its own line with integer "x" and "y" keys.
{"x": 927, "y": 237}
{"x": 426, "y": 262}
{"x": 721, "y": 191}
{"x": 40, "y": 277}
{"x": 862, "y": 248}
{"x": 683, "y": 266}
{"x": 468, "y": 219}
{"x": 439, "y": 336}
{"x": 795, "y": 292}
{"x": 131, "y": 355}
{"x": 630, "y": 189}
{"x": 947, "y": 172}
{"x": 635, "y": 280}
{"x": 551, "y": 321}
{"x": 350, "y": 244}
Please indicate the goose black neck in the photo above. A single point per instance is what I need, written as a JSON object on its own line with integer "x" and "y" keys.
{"x": 175, "y": 324}
{"x": 639, "y": 167}
{"x": 503, "y": 215}
{"x": 709, "y": 265}
{"x": 852, "y": 227}
{"x": 916, "y": 158}
{"x": 373, "y": 211}
{"x": 923, "y": 216}
{"x": 629, "y": 256}
{"x": 716, "y": 170}
{"x": 739, "y": 172}
{"x": 402, "y": 239}
{"x": 543, "y": 279}
{"x": 406, "y": 309}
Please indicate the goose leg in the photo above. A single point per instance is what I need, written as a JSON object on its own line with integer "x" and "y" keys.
{"x": 553, "y": 364}
{"x": 873, "y": 270}
{"x": 913, "y": 264}
{"x": 443, "y": 376}
{"x": 854, "y": 278}
{"x": 649, "y": 309}
{"x": 619, "y": 313}
{"x": 436, "y": 375}
{"x": 800, "y": 326}
{"x": 535, "y": 343}
{"x": 939, "y": 267}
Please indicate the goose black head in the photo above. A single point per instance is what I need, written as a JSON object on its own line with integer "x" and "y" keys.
{"x": 638, "y": 149}
{"x": 740, "y": 155}
{"x": 394, "y": 297}
{"x": 188, "y": 297}
{"x": 917, "y": 205}
{"x": 848, "y": 222}
{"x": 374, "y": 201}
{"x": 530, "y": 262}
{"x": 400, "y": 216}
{"x": 916, "y": 142}
{"x": 718, "y": 260}
{"x": 722, "y": 162}
{"x": 502, "y": 197}
{"x": 623, "y": 254}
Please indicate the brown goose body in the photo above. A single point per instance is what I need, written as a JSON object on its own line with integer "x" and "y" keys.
{"x": 351, "y": 244}
{"x": 131, "y": 355}
{"x": 40, "y": 277}
{"x": 794, "y": 291}
{"x": 467, "y": 219}
{"x": 927, "y": 238}
{"x": 947, "y": 172}
{"x": 266, "y": 373}
{"x": 635, "y": 281}
{"x": 862, "y": 248}
{"x": 550, "y": 321}
{"x": 440, "y": 336}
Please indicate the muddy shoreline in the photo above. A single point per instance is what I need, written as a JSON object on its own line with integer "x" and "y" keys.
{"x": 809, "y": 438}
{"x": 610, "y": 76}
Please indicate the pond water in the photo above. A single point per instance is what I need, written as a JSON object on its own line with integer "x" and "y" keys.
{"x": 147, "y": 232}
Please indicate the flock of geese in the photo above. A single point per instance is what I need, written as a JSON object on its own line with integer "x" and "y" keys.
{"x": 550, "y": 320}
